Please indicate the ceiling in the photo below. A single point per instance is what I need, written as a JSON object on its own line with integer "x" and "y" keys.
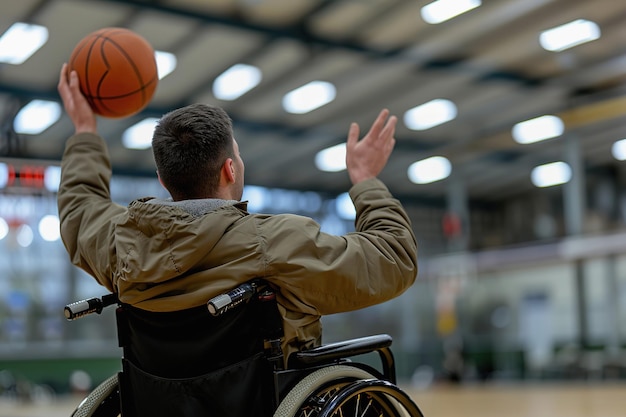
{"x": 378, "y": 53}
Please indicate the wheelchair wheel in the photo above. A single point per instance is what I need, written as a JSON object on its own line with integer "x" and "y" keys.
{"x": 342, "y": 390}
{"x": 370, "y": 398}
{"x": 104, "y": 401}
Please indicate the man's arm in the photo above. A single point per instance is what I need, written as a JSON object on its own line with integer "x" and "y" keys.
{"x": 321, "y": 273}
{"x": 324, "y": 274}
{"x": 84, "y": 202}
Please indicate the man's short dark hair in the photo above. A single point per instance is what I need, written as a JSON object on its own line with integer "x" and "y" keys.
{"x": 190, "y": 145}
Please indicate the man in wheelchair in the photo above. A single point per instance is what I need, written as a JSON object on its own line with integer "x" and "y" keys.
{"x": 164, "y": 259}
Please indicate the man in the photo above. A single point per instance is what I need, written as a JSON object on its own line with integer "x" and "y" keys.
{"x": 176, "y": 254}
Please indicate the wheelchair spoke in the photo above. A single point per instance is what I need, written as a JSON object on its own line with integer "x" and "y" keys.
{"x": 360, "y": 405}
{"x": 369, "y": 403}
{"x": 365, "y": 399}
{"x": 316, "y": 402}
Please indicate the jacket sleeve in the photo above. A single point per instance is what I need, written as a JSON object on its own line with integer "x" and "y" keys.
{"x": 324, "y": 274}
{"x": 85, "y": 207}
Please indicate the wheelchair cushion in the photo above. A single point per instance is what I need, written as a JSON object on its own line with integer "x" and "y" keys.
{"x": 205, "y": 395}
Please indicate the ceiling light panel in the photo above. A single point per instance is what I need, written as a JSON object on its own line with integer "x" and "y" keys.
{"x": 618, "y": 150}
{"x": 309, "y": 97}
{"x": 331, "y": 159}
{"x": 569, "y": 35}
{"x": 442, "y": 10}
{"x": 430, "y": 114}
{"x": 139, "y": 135}
{"x": 166, "y": 63}
{"x": 435, "y": 168}
{"x": 548, "y": 175}
{"x": 37, "y": 116}
{"x": 538, "y": 129}
{"x": 21, "y": 41}
{"x": 236, "y": 81}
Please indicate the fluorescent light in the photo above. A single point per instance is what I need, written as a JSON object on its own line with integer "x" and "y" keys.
{"x": 49, "y": 228}
{"x": 441, "y": 10}
{"x": 258, "y": 198}
{"x": 568, "y": 35}
{"x": 4, "y": 228}
{"x": 309, "y": 97}
{"x": 331, "y": 159}
{"x": 538, "y": 129}
{"x": 554, "y": 173}
{"x": 4, "y": 174}
{"x": 52, "y": 178}
{"x": 236, "y": 81}
{"x": 21, "y": 41}
{"x": 430, "y": 114}
{"x": 166, "y": 63}
{"x": 37, "y": 116}
{"x": 24, "y": 236}
{"x": 139, "y": 135}
{"x": 429, "y": 170}
{"x": 619, "y": 150}
{"x": 345, "y": 207}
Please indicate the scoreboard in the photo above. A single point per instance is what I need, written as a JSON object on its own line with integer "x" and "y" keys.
{"x": 31, "y": 174}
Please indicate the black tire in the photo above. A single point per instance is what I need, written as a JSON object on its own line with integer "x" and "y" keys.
{"x": 104, "y": 401}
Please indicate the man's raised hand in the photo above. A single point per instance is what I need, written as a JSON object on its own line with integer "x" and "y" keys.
{"x": 367, "y": 157}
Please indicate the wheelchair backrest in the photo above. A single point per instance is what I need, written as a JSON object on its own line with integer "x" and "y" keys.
{"x": 191, "y": 363}
{"x": 192, "y": 342}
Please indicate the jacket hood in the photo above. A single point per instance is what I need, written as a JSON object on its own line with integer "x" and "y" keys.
{"x": 159, "y": 240}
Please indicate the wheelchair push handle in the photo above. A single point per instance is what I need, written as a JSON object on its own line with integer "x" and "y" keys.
{"x": 82, "y": 308}
{"x": 217, "y": 305}
{"x": 220, "y": 304}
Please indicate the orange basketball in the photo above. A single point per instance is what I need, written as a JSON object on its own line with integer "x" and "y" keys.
{"x": 117, "y": 71}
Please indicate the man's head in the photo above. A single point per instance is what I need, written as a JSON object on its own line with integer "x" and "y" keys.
{"x": 196, "y": 155}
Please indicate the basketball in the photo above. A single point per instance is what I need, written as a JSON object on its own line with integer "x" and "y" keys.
{"x": 117, "y": 71}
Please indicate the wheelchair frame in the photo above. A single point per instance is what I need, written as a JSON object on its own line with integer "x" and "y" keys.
{"x": 316, "y": 383}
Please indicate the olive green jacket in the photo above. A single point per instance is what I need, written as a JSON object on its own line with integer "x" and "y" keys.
{"x": 163, "y": 256}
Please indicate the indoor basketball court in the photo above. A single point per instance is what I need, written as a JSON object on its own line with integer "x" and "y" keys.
{"x": 509, "y": 161}
{"x": 586, "y": 399}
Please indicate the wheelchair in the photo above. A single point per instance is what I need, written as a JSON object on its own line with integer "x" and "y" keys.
{"x": 178, "y": 363}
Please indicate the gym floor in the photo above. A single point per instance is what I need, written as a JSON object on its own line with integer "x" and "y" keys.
{"x": 511, "y": 400}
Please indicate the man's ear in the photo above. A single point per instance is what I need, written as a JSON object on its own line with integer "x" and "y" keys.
{"x": 228, "y": 170}
{"x": 160, "y": 180}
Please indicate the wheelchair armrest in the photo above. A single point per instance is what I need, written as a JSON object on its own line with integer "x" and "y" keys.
{"x": 353, "y": 347}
